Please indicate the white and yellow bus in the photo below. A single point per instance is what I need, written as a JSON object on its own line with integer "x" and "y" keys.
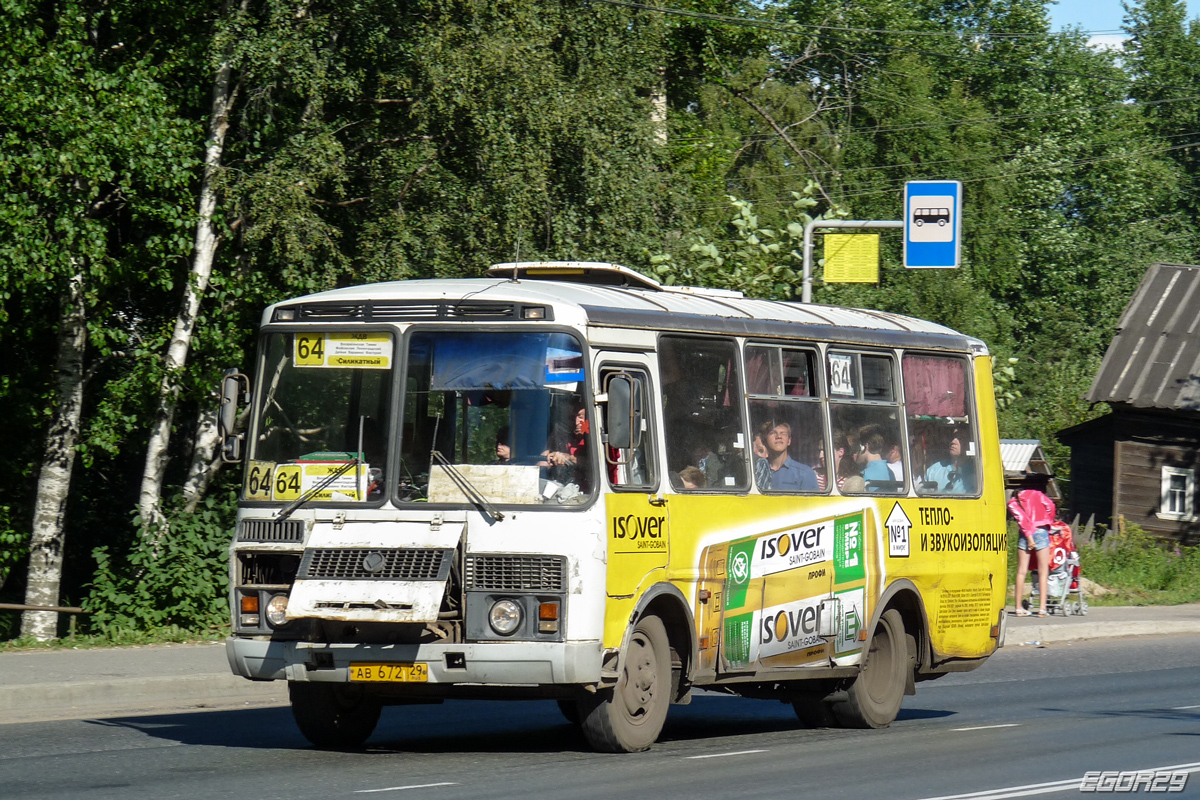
{"x": 567, "y": 481}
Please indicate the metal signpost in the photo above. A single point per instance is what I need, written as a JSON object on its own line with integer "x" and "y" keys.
{"x": 932, "y": 229}
{"x": 806, "y": 288}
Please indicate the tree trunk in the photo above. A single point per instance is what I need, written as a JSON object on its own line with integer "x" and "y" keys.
{"x": 658, "y": 107}
{"x": 54, "y": 481}
{"x": 185, "y": 324}
{"x": 205, "y": 461}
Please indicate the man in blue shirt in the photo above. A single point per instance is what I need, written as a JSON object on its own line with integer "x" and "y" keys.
{"x": 787, "y": 474}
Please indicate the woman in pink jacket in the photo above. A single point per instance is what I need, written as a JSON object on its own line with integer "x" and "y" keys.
{"x": 1034, "y": 512}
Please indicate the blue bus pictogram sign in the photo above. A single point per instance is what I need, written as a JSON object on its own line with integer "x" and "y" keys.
{"x": 932, "y": 224}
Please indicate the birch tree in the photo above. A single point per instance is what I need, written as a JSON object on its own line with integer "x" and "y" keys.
{"x": 92, "y": 146}
{"x": 207, "y": 239}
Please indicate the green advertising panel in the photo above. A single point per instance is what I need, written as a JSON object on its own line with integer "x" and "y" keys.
{"x": 738, "y": 577}
{"x": 848, "y": 560}
{"x": 737, "y": 638}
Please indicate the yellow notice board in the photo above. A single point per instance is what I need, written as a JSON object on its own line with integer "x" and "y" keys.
{"x": 851, "y": 258}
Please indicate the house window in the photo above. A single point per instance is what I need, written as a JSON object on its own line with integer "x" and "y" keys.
{"x": 1178, "y": 489}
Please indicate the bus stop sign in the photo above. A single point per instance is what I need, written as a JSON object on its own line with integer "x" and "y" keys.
{"x": 932, "y": 224}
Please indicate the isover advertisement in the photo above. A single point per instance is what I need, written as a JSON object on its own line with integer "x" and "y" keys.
{"x": 776, "y": 584}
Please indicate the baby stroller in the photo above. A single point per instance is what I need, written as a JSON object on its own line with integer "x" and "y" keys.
{"x": 1063, "y": 591}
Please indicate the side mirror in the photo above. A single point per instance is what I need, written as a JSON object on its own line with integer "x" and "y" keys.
{"x": 620, "y": 413}
{"x": 234, "y": 385}
{"x": 231, "y": 448}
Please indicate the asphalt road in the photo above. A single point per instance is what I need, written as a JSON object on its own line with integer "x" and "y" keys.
{"x": 1031, "y": 717}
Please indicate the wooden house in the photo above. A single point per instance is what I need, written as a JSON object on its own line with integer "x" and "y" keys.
{"x": 1140, "y": 460}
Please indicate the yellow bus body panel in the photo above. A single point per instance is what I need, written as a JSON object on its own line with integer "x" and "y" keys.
{"x": 765, "y": 562}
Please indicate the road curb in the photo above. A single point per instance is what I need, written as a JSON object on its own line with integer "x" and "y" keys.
{"x": 78, "y": 697}
{"x": 1052, "y": 632}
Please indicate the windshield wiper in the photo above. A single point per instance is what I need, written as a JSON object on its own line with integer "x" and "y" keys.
{"x": 287, "y": 510}
{"x": 466, "y": 487}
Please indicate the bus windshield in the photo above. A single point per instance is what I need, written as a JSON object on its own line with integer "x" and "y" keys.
{"x": 323, "y": 417}
{"x": 505, "y": 410}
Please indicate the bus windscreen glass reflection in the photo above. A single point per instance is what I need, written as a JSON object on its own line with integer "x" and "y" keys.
{"x": 505, "y": 410}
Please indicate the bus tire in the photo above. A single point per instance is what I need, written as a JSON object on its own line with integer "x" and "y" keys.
{"x": 333, "y": 716}
{"x": 874, "y": 699}
{"x": 630, "y": 716}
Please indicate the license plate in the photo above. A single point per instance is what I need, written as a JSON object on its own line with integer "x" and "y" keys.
{"x": 389, "y": 673}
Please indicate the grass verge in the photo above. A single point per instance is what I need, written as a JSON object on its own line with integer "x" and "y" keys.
{"x": 118, "y": 638}
{"x": 1135, "y": 569}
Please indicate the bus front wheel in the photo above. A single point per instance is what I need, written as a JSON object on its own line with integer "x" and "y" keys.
{"x": 333, "y": 716}
{"x": 629, "y": 717}
{"x": 873, "y": 700}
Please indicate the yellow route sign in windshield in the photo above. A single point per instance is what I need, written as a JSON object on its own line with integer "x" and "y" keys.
{"x": 344, "y": 350}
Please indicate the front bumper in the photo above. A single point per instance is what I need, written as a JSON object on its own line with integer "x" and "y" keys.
{"x": 486, "y": 663}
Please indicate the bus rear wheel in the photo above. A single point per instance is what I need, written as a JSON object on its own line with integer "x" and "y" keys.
{"x": 630, "y": 716}
{"x": 874, "y": 699}
{"x": 333, "y": 716}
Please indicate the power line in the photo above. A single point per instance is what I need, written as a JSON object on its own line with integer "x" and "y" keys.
{"x": 981, "y": 178}
{"x": 750, "y": 22}
{"x": 818, "y": 31}
{"x": 1015, "y": 138}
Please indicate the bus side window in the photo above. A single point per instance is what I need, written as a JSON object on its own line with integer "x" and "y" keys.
{"x": 633, "y": 467}
{"x": 866, "y": 423}
{"x": 705, "y": 434}
{"x": 786, "y": 419}
{"x": 937, "y": 396}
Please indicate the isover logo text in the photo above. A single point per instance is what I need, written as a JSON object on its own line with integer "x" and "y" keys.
{"x": 789, "y": 549}
{"x": 787, "y": 628}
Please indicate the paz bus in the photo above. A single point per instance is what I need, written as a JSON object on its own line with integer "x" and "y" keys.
{"x": 567, "y": 481}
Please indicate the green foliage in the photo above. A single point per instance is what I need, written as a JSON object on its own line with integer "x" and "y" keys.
{"x": 1004, "y": 378}
{"x": 747, "y": 256}
{"x": 1141, "y": 570}
{"x": 14, "y": 543}
{"x": 176, "y": 575}
{"x": 372, "y": 140}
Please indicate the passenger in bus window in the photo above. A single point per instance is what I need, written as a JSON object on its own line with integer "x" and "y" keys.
{"x": 503, "y": 449}
{"x": 566, "y": 455}
{"x": 954, "y": 473}
{"x": 894, "y": 458}
{"x": 839, "y": 459}
{"x": 692, "y": 478}
{"x": 870, "y": 457}
{"x": 707, "y": 461}
{"x": 787, "y": 474}
{"x": 762, "y": 466}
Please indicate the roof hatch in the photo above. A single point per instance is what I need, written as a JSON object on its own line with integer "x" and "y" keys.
{"x": 595, "y": 273}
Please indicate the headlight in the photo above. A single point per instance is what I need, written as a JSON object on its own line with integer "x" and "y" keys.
{"x": 277, "y": 610}
{"x": 505, "y": 617}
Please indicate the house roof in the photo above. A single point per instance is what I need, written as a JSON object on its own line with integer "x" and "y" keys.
{"x": 1016, "y": 453}
{"x": 1154, "y": 360}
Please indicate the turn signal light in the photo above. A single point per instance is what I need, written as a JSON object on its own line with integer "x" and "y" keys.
{"x": 249, "y": 604}
{"x": 548, "y": 611}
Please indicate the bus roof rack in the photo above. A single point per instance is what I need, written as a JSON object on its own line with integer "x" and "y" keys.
{"x": 596, "y": 273}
